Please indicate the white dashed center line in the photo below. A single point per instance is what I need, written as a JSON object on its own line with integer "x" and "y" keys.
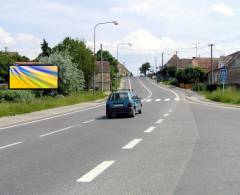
{"x": 167, "y": 100}
{"x": 132, "y": 144}
{"x": 10, "y": 145}
{"x": 89, "y": 121}
{"x": 160, "y": 121}
{"x": 149, "y": 100}
{"x": 91, "y": 175}
{"x": 170, "y": 111}
{"x": 53, "y": 132}
{"x": 158, "y": 100}
{"x": 150, "y": 130}
{"x": 166, "y": 115}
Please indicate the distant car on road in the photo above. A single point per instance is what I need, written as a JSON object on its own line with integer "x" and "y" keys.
{"x": 123, "y": 102}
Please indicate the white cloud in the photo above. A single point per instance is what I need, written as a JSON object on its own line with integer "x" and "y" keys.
{"x": 6, "y": 38}
{"x": 223, "y": 9}
{"x": 24, "y": 43}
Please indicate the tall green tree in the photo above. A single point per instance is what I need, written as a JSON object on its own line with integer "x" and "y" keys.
{"x": 46, "y": 50}
{"x": 80, "y": 55}
{"x": 144, "y": 68}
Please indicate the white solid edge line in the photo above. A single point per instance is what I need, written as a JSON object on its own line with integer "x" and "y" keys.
{"x": 88, "y": 177}
{"x": 159, "y": 121}
{"x": 144, "y": 86}
{"x": 177, "y": 97}
{"x": 131, "y": 144}
{"x": 57, "y": 116}
{"x": 10, "y": 145}
{"x": 149, "y": 130}
{"x": 57, "y": 131}
{"x": 89, "y": 121}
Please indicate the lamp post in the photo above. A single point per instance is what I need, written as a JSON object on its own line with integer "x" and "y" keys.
{"x": 118, "y": 45}
{"x": 94, "y": 47}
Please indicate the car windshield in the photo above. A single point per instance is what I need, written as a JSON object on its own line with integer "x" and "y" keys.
{"x": 119, "y": 96}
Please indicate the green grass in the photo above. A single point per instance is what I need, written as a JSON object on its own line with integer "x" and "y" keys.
{"x": 11, "y": 108}
{"x": 231, "y": 95}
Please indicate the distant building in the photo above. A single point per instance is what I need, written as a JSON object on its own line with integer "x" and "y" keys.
{"x": 106, "y": 75}
{"x": 122, "y": 70}
{"x": 203, "y": 63}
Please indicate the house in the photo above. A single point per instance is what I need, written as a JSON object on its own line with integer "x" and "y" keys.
{"x": 232, "y": 64}
{"x": 205, "y": 63}
{"x": 103, "y": 74}
{"x": 182, "y": 63}
{"x": 122, "y": 70}
{"x": 179, "y": 63}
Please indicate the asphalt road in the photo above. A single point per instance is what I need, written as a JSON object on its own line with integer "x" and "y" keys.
{"x": 174, "y": 147}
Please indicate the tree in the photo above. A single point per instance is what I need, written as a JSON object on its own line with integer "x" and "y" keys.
{"x": 80, "y": 55}
{"x": 144, "y": 68}
{"x": 71, "y": 79}
{"x": 190, "y": 75}
{"x": 5, "y": 61}
{"x": 46, "y": 50}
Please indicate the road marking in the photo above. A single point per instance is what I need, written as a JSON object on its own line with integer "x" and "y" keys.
{"x": 159, "y": 121}
{"x": 91, "y": 175}
{"x": 150, "y": 130}
{"x": 53, "y": 132}
{"x": 177, "y": 99}
{"x": 167, "y": 100}
{"x": 166, "y": 115}
{"x": 57, "y": 116}
{"x": 144, "y": 86}
{"x": 158, "y": 100}
{"x": 149, "y": 100}
{"x": 131, "y": 144}
{"x": 170, "y": 111}
{"x": 89, "y": 121}
{"x": 10, "y": 145}
{"x": 130, "y": 85}
{"x": 169, "y": 90}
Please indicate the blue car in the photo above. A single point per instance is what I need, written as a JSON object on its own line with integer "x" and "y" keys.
{"x": 123, "y": 102}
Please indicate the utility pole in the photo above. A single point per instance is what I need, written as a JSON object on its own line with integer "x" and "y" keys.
{"x": 177, "y": 59}
{"x": 101, "y": 67}
{"x": 162, "y": 59}
{"x": 196, "y": 47}
{"x": 156, "y": 63}
{"x": 211, "y": 46}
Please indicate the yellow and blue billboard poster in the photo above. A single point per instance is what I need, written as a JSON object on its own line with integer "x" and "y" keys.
{"x": 33, "y": 77}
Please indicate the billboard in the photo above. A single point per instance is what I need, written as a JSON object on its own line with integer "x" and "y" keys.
{"x": 33, "y": 77}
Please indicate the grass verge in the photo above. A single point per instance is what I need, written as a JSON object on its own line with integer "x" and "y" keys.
{"x": 231, "y": 95}
{"x": 12, "y": 108}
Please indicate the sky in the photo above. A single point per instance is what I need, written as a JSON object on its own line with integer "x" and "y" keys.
{"x": 152, "y": 27}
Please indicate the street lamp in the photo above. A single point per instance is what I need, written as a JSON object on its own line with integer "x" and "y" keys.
{"x": 118, "y": 45}
{"x": 94, "y": 47}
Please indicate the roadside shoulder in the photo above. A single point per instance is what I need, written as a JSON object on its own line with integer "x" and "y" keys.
{"x": 50, "y": 113}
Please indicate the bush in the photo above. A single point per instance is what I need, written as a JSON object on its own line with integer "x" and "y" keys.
{"x": 71, "y": 78}
{"x": 199, "y": 87}
{"x": 231, "y": 95}
{"x": 17, "y": 96}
